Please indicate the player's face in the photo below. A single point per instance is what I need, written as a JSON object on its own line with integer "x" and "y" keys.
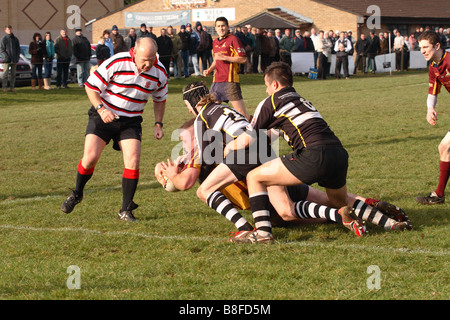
{"x": 427, "y": 49}
{"x": 221, "y": 28}
{"x": 270, "y": 86}
{"x": 144, "y": 59}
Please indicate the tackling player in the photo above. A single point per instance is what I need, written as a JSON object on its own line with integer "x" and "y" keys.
{"x": 186, "y": 170}
{"x": 438, "y": 75}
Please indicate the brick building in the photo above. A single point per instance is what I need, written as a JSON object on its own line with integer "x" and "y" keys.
{"x": 30, "y": 16}
{"x": 356, "y": 15}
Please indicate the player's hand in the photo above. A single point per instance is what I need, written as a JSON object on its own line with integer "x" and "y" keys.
{"x": 108, "y": 116}
{"x": 158, "y": 132}
{"x": 432, "y": 116}
{"x": 206, "y": 72}
{"x": 171, "y": 169}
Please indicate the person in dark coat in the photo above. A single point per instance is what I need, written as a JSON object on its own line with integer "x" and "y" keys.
{"x": 165, "y": 47}
{"x": 10, "y": 52}
{"x": 38, "y": 52}
{"x": 102, "y": 51}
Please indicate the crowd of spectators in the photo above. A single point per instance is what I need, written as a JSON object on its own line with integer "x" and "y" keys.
{"x": 193, "y": 45}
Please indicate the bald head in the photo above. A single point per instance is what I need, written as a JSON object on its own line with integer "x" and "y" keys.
{"x": 145, "y": 53}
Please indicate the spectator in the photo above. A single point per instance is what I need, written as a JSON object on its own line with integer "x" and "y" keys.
{"x": 374, "y": 49}
{"x": 63, "y": 51}
{"x": 287, "y": 45}
{"x": 209, "y": 56}
{"x": 118, "y": 41}
{"x": 399, "y": 43}
{"x": 278, "y": 35}
{"x": 256, "y": 50}
{"x": 309, "y": 44}
{"x": 102, "y": 51}
{"x": 443, "y": 38}
{"x": 185, "y": 45}
{"x": 333, "y": 39}
{"x": 165, "y": 50}
{"x": 193, "y": 49}
{"x": 82, "y": 53}
{"x": 342, "y": 39}
{"x": 48, "y": 61}
{"x": 384, "y": 44}
{"x": 341, "y": 60}
{"x": 142, "y": 31}
{"x": 176, "y": 47}
{"x": 249, "y": 45}
{"x": 150, "y": 33}
{"x": 448, "y": 37}
{"x": 274, "y": 54}
{"x": 203, "y": 45}
{"x": 10, "y": 52}
{"x": 300, "y": 44}
{"x": 362, "y": 48}
{"x": 414, "y": 45}
{"x": 38, "y": 52}
{"x": 323, "y": 48}
{"x": 108, "y": 42}
{"x": 130, "y": 39}
{"x": 266, "y": 48}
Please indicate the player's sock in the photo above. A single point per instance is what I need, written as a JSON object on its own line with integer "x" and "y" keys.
{"x": 311, "y": 210}
{"x": 130, "y": 180}
{"x": 371, "y": 202}
{"x": 260, "y": 204}
{"x": 217, "y": 201}
{"x": 444, "y": 173}
{"x": 371, "y": 214}
{"x": 83, "y": 176}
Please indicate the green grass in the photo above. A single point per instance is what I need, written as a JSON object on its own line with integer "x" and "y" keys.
{"x": 178, "y": 250}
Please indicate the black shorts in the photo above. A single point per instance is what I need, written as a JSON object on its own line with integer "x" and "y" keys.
{"x": 241, "y": 163}
{"x": 120, "y": 129}
{"x": 298, "y": 192}
{"x": 226, "y": 91}
{"x": 325, "y": 164}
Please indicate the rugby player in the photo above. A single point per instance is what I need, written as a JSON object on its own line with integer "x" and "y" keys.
{"x": 318, "y": 155}
{"x": 438, "y": 76}
{"x": 118, "y": 91}
{"x": 185, "y": 171}
{"x": 229, "y": 54}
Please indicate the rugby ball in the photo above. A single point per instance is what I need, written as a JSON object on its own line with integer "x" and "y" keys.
{"x": 169, "y": 186}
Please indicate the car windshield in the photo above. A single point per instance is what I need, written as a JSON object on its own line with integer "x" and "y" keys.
{"x": 24, "y": 51}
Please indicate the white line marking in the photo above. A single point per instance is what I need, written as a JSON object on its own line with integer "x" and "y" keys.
{"x": 313, "y": 244}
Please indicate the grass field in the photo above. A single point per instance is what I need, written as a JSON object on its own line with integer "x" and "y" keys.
{"x": 178, "y": 249}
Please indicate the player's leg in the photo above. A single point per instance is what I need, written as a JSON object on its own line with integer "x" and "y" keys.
{"x": 239, "y": 105}
{"x": 93, "y": 147}
{"x": 209, "y": 193}
{"x": 131, "y": 150}
{"x": 258, "y": 180}
{"x": 438, "y": 195}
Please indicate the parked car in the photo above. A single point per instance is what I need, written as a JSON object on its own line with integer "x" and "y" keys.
{"x": 26, "y": 56}
{"x": 23, "y": 73}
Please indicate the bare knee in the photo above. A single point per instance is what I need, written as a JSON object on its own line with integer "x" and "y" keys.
{"x": 444, "y": 148}
{"x": 201, "y": 194}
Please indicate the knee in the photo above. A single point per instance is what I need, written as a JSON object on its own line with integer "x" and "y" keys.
{"x": 444, "y": 147}
{"x": 201, "y": 194}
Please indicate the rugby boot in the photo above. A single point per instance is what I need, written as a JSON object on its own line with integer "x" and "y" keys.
{"x": 127, "y": 215}
{"x": 70, "y": 203}
{"x": 432, "y": 198}
{"x": 401, "y": 226}
{"x": 351, "y": 221}
{"x": 392, "y": 211}
{"x": 251, "y": 237}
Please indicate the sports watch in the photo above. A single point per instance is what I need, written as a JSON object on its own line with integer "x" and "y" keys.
{"x": 99, "y": 107}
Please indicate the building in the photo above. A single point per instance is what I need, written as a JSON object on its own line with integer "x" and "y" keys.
{"x": 356, "y": 15}
{"x": 30, "y": 16}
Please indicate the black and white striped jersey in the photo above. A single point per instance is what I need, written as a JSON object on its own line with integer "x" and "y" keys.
{"x": 301, "y": 124}
{"x": 215, "y": 126}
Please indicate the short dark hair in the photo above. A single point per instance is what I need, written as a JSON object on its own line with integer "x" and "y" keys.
{"x": 431, "y": 36}
{"x": 222, "y": 19}
{"x": 280, "y": 72}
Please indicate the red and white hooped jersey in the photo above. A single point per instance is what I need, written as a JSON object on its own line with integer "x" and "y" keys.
{"x": 123, "y": 89}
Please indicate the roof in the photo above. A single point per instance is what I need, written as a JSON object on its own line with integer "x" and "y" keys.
{"x": 277, "y": 17}
{"x": 394, "y": 8}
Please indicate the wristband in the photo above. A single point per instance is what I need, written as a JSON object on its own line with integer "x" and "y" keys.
{"x": 160, "y": 123}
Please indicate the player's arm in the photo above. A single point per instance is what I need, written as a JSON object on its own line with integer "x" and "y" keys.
{"x": 211, "y": 68}
{"x": 106, "y": 114}
{"x": 159, "y": 108}
{"x": 431, "y": 106}
{"x": 243, "y": 141}
{"x": 235, "y": 59}
{"x": 182, "y": 180}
